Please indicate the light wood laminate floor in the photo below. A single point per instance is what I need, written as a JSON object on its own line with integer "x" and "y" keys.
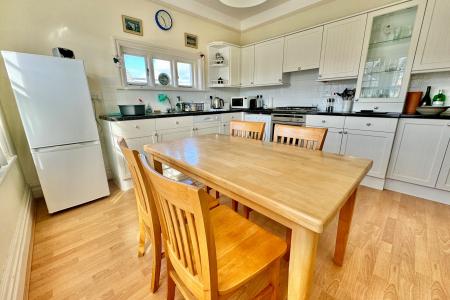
{"x": 399, "y": 248}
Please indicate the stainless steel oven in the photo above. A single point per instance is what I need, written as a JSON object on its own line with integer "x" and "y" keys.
{"x": 292, "y": 115}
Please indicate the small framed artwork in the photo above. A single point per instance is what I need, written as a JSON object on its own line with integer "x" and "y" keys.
{"x": 132, "y": 25}
{"x": 190, "y": 40}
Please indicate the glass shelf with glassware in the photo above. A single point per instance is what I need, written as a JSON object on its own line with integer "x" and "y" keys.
{"x": 384, "y": 70}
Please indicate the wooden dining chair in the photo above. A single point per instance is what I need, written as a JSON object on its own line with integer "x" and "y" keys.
{"x": 303, "y": 137}
{"x": 149, "y": 227}
{"x": 213, "y": 254}
{"x": 251, "y": 130}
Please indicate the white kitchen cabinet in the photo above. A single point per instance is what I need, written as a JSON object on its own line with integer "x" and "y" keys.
{"x": 226, "y": 119}
{"x": 341, "y": 48}
{"x": 302, "y": 50}
{"x": 333, "y": 141}
{"x": 206, "y": 124}
{"x": 247, "y": 66}
{"x": 174, "y": 134}
{"x": 419, "y": 150}
{"x": 433, "y": 50}
{"x": 228, "y": 68}
{"x": 269, "y": 62}
{"x": 267, "y": 119}
{"x": 370, "y": 145}
{"x": 388, "y": 53}
{"x": 443, "y": 182}
{"x": 135, "y": 144}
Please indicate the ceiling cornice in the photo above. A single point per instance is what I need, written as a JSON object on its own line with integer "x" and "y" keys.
{"x": 195, "y": 8}
{"x": 275, "y": 12}
{"x": 198, "y": 9}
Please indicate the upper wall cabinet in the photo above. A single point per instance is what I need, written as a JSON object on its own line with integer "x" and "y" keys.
{"x": 302, "y": 50}
{"x": 390, "y": 43}
{"x": 269, "y": 62}
{"x": 247, "y": 66}
{"x": 341, "y": 48}
{"x": 433, "y": 51}
{"x": 223, "y": 65}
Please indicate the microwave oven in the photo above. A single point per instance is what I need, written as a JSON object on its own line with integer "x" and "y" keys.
{"x": 241, "y": 102}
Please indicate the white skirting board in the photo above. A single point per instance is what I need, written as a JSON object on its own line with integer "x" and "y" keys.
{"x": 373, "y": 182}
{"x": 14, "y": 281}
{"x": 418, "y": 191}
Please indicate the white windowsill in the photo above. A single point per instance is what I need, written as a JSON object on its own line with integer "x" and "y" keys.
{"x": 162, "y": 89}
{"x": 4, "y": 170}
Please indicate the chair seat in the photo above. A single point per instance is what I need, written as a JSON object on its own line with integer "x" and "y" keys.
{"x": 243, "y": 249}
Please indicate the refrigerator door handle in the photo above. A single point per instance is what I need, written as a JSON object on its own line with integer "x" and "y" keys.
{"x": 65, "y": 147}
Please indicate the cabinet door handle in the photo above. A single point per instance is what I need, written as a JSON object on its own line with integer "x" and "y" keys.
{"x": 299, "y": 68}
{"x": 345, "y": 132}
{"x": 177, "y": 123}
{"x": 323, "y": 121}
{"x": 340, "y": 132}
{"x": 376, "y": 107}
{"x": 136, "y": 126}
{"x": 368, "y": 124}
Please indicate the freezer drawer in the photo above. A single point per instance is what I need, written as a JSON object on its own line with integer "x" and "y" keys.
{"x": 71, "y": 175}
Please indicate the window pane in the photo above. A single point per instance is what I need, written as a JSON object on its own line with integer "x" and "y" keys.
{"x": 163, "y": 71}
{"x": 135, "y": 69}
{"x": 184, "y": 74}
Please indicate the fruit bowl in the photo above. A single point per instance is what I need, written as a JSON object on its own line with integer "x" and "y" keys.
{"x": 430, "y": 110}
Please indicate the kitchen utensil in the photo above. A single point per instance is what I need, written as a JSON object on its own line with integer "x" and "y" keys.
{"x": 217, "y": 103}
{"x": 412, "y": 101}
{"x": 132, "y": 110}
{"x": 430, "y": 110}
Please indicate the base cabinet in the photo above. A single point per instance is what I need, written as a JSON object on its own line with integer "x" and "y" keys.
{"x": 419, "y": 149}
{"x": 333, "y": 141}
{"x": 372, "y": 145}
{"x": 443, "y": 182}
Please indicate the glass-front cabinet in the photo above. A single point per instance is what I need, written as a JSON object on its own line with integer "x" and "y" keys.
{"x": 388, "y": 53}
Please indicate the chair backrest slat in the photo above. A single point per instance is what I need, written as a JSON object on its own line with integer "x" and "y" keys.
{"x": 303, "y": 137}
{"x": 144, "y": 197}
{"x": 249, "y": 130}
{"x": 184, "y": 217}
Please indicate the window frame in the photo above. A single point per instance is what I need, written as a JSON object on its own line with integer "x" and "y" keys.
{"x": 147, "y": 72}
{"x": 196, "y": 59}
{"x": 185, "y": 61}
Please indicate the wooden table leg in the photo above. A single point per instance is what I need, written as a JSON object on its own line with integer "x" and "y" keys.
{"x": 345, "y": 220}
{"x": 301, "y": 263}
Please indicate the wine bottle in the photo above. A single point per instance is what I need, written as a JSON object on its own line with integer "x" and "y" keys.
{"x": 426, "y": 100}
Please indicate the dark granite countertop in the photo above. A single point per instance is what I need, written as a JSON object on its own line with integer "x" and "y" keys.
{"x": 357, "y": 114}
{"x": 267, "y": 112}
{"x": 167, "y": 115}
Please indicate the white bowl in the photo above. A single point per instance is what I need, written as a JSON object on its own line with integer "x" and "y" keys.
{"x": 430, "y": 110}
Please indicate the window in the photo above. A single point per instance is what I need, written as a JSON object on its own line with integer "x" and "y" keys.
{"x": 150, "y": 67}
{"x": 162, "y": 69}
{"x": 135, "y": 69}
{"x": 184, "y": 71}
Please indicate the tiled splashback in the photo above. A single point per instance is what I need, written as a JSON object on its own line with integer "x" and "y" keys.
{"x": 437, "y": 81}
{"x": 302, "y": 90}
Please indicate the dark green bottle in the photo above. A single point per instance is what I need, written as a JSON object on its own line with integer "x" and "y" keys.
{"x": 426, "y": 100}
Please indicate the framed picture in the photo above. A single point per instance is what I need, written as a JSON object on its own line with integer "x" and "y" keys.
{"x": 190, "y": 40}
{"x": 132, "y": 25}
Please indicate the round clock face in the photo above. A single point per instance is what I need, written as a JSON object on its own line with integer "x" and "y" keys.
{"x": 163, "y": 19}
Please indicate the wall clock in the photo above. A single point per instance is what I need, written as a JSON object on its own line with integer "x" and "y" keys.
{"x": 163, "y": 19}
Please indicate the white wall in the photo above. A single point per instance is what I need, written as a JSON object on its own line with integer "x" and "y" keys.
{"x": 88, "y": 27}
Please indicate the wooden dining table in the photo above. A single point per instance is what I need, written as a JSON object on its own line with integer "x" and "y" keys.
{"x": 299, "y": 188}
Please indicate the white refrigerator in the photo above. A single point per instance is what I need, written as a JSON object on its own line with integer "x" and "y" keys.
{"x": 55, "y": 106}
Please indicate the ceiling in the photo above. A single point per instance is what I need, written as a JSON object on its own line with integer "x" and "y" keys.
{"x": 240, "y": 18}
{"x": 241, "y": 13}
